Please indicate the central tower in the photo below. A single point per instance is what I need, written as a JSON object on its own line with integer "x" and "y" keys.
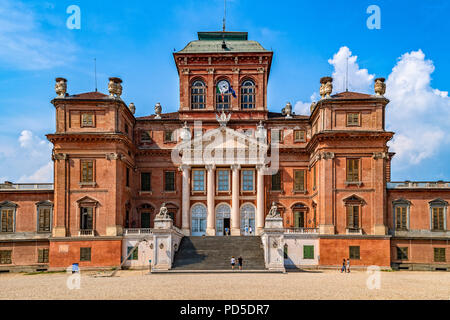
{"x": 223, "y": 71}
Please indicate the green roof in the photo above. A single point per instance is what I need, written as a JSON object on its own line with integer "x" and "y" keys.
{"x": 211, "y": 42}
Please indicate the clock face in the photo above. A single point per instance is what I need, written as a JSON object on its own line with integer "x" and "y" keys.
{"x": 223, "y": 86}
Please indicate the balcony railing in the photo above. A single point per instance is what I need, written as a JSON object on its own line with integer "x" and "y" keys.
{"x": 419, "y": 185}
{"x": 136, "y": 231}
{"x": 7, "y": 186}
{"x": 301, "y": 230}
{"x": 354, "y": 231}
{"x": 86, "y": 233}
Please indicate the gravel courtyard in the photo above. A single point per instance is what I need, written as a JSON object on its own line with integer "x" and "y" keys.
{"x": 314, "y": 285}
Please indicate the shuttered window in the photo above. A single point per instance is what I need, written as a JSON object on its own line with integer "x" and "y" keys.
{"x": 169, "y": 181}
{"x": 44, "y": 219}
{"x": 299, "y": 136}
{"x": 354, "y": 253}
{"x": 43, "y": 256}
{"x": 402, "y": 253}
{"x": 87, "y": 171}
{"x": 146, "y": 136}
{"x": 276, "y": 181}
{"x": 439, "y": 255}
{"x": 353, "y": 170}
{"x": 352, "y": 119}
{"x": 401, "y": 218}
{"x": 438, "y": 219}
{"x": 353, "y": 217}
{"x": 85, "y": 254}
{"x": 299, "y": 180}
{"x": 146, "y": 181}
{"x": 135, "y": 255}
{"x": 5, "y": 257}
{"x": 7, "y": 220}
{"x": 308, "y": 252}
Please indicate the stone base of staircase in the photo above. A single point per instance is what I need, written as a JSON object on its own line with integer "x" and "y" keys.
{"x": 175, "y": 271}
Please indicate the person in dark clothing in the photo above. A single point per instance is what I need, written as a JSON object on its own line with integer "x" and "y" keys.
{"x": 240, "y": 262}
{"x": 344, "y": 267}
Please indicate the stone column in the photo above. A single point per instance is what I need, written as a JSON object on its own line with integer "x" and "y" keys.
{"x": 235, "y": 216}
{"x": 186, "y": 201}
{"x": 211, "y": 217}
{"x": 260, "y": 200}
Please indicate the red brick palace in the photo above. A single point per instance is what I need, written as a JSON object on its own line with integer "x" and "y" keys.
{"x": 113, "y": 171}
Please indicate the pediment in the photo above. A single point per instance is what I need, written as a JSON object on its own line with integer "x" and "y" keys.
{"x": 8, "y": 204}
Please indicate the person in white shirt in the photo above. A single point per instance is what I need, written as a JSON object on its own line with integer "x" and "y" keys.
{"x": 233, "y": 262}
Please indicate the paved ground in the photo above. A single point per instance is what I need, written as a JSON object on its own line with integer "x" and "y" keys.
{"x": 137, "y": 285}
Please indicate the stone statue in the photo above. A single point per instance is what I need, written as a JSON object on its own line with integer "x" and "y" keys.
{"x": 273, "y": 212}
{"x": 328, "y": 86}
{"x": 223, "y": 118}
{"x": 158, "y": 110}
{"x": 163, "y": 213}
{"x": 115, "y": 87}
{"x": 287, "y": 111}
{"x": 380, "y": 86}
{"x": 132, "y": 108}
{"x": 61, "y": 87}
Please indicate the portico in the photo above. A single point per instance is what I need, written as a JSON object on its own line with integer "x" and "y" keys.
{"x": 223, "y": 183}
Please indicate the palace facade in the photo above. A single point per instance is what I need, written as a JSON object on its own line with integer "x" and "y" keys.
{"x": 218, "y": 165}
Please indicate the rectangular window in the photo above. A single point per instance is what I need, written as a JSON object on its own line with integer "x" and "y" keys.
{"x": 169, "y": 181}
{"x": 277, "y": 137}
{"x": 354, "y": 253}
{"x": 439, "y": 255}
{"x": 299, "y": 180}
{"x": 198, "y": 177}
{"x": 353, "y": 217}
{"x": 7, "y": 220}
{"x": 146, "y": 136}
{"x": 169, "y": 136}
{"x": 127, "y": 173}
{"x": 247, "y": 180}
{"x": 43, "y": 256}
{"x": 87, "y": 120}
{"x": 402, "y": 253}
{"x": 86, "y": 219}
{"x": 308, "y": 252}
{"x": 276, "y": 181}
{"x": 146, "y": 181}
{"x": 299, "y": 135}
{"x": 353, "y": 170}
{"x": 286, "y": 253}
{"x": 135, "y": 255}
{"x": 87, "y": 171}
{"x": 438, "y": 219}
{"x": 223, "y": 177}
{"x": 315, "y": 177}
{"x": 352, "y": 119}
{"x": 44, "y": 219}
{"x": 5, "y": 257}
{"x": 401, "y": 218}
{"x": 126, "y": 128}
{"x": 85, "y": 254}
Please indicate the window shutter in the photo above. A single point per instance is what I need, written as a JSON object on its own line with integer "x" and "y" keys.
{"x": 7, "y": 221}
{"x": 404, "y": 217}
{"x": 90, "y": 218}
{"x": 349, "y": 216}
{"x": 308, "y": 252}
{"x": 4, "y": 220}
{"x": 299, "y": 180}
{"x": 356, "y": 216}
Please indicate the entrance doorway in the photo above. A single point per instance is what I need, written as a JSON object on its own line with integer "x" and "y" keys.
{"x": 248, "y": 220}
{"x": 145, "y": 220}
{"x": 223, "y": 221}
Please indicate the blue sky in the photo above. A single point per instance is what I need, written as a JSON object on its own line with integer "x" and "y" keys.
{"x": 310, "y": 39}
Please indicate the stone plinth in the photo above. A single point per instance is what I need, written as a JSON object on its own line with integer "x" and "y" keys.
{"x": 164, "y": 223}
{"x": 273, "y": 242}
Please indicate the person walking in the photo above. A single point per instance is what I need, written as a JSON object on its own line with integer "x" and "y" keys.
{"x": 250, "y": 230}
{"x": 343, "y": 266}
{"x": 240, "y": 262}
{"x": 348, "y": 265}
{"x": 233, "y": 263}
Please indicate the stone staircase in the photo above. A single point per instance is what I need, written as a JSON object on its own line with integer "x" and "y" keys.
{"x": 214, "y": 253}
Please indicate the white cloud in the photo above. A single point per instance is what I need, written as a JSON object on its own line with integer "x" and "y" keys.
{"x": 304, "y": 108}
{"x": 417, "y": 113}
{"x": 42, "y": 175}
{"x": 359, "y": 80}
{"x": 24, "y": 43}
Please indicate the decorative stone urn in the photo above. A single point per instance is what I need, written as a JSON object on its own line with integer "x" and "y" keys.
{"x": 115, "y": 87}
{"x": 61, "y": 87}
{"x": 132, "y": 108}
{"x": 326, "y": 87}
{"x": 380, "y": 86}
{"x": 158, "y": 110}
{"x": 287, "y": 111}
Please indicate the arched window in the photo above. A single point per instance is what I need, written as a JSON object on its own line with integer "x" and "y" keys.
{"x": 198, "y": 95}
{"x": 248, "y": 95}
{"x": 223, "y": 95}
{"x": 198, "y": 220}
{"x": 248, "y": 219}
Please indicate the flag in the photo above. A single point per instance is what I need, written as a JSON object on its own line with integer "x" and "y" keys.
{"x": 233, "y": 92}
